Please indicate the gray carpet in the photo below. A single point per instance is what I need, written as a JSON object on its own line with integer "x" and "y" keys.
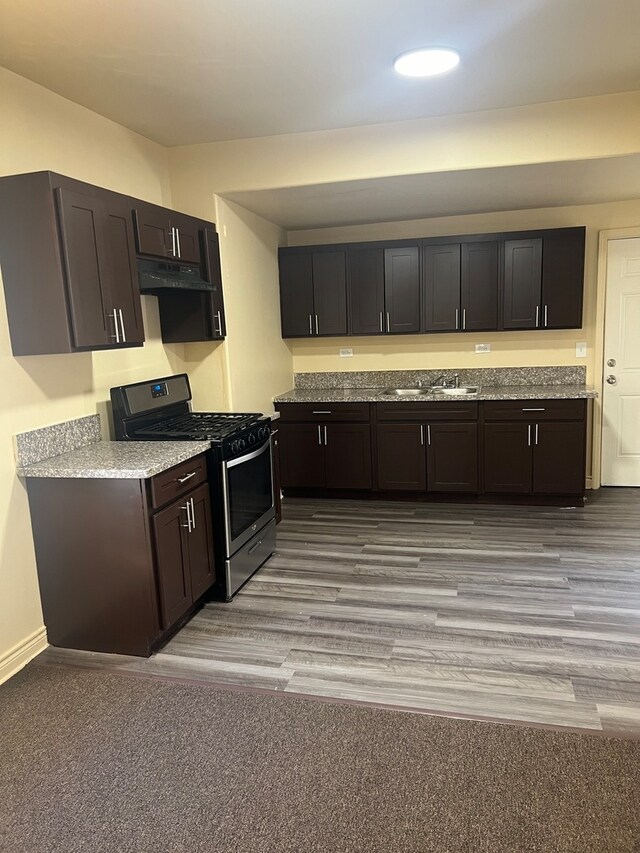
{"x": 91, "y": 761}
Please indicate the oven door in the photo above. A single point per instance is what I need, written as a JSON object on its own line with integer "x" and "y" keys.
{"x": 247, "y": 486}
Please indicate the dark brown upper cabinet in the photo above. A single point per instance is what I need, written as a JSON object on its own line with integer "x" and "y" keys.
{"x": 544, "y": 280}
{"x": 563, "y": 278}
{"x": 187, "y": 316}
{"x": 384, "y": 289}
{"x": 479, "y": 286}
{"x": 442, "y": 287}
{"x": 366, "y": 290}
{"x": 68, "y": 264}
{"x": 164, "y": 233}
{"x": 402, "y": 290}
{"x": 313, "y": 292}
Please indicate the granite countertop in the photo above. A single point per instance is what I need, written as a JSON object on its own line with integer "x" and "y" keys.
{"x": 495, "y": 392}
{"x": 117, "y": 460}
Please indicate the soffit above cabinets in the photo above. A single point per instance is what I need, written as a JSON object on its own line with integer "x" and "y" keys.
{"x": 210, "y": 70}
{"x": 406, "y": 197}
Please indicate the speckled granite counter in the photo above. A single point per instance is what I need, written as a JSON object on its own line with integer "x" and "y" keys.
{"x": 129, "y": 460}
{"x": 376, "y": 395}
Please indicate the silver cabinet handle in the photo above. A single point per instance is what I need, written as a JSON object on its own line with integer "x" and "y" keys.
{"x": 382, "y": 321}
{"x": 193, "y": 515}
{"x": 421, "y": 435}
{"x": 325, "y": 436}
{"x": 534, "y": 410}
{"x": 319, "y": 435}
{"x": 536, "y": 439}
{"x": 186, "y": 477}
{"x": 317, "y": 332}
{"x": 388, "y": 322}
{"x": 217, "y": 331}
{"x": 529, "y": 435}
{"x": 178, "y": 240}
{"x": 321, "y": 412}
{"x": 546, "y": 316}
{"x": 115, "y": 325}
{"x": 173, "y": 241}
{"x": 429, "y": 434}
{"x": 537, "y": 316}
{"x": 187, "y": 506}
{"x": 464, "y": 319}
{"x": 310, "y": 325}
{"x": 457, "y": 319}
{"x": 124, "y": 336}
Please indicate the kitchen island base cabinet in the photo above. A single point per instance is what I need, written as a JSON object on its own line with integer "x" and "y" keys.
{"x": 117, "y": 569}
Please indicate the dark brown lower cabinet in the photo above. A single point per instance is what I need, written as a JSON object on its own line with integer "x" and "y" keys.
{"x": 119, "y": 560}
{"x": 435, "y": 457}
{"x": 452, "y": 457}
{"x": 540, "y": 458}
{"x": 275, "y": 467}
{"x": 401, "y": 458}
{"x": 331, "y": 456}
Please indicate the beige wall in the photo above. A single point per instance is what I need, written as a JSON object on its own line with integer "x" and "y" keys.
{"x": 40, "y": 130}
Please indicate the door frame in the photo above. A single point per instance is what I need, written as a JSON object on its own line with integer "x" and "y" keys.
{"x": 598, "y": 368}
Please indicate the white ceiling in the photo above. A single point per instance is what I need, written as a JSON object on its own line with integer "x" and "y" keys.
{"x": 422, "y": 196}
{"x": 192, "y": 71}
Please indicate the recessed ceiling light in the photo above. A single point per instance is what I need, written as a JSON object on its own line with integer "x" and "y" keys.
{"x": 426, "y": 61}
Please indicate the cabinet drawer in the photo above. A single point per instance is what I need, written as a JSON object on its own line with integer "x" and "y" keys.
{"x": 535, "y": 410}
{"x": 323, "y": 412}
{"x": 427, "y": 411}
{"x": 178, "y": 480}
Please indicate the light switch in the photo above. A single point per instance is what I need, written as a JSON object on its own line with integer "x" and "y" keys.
{"x": 483, "y": 347}
{"x": 581, "y": 349}
{"x": 347, "y": 352}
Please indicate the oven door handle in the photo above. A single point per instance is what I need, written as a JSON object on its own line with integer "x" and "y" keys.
{"x": 248, "y": 456}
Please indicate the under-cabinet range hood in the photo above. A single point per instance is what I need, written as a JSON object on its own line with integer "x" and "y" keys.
{"x": 160, "y": 276}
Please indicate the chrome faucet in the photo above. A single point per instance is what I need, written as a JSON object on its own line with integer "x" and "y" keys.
{"x": 440, "y": 382}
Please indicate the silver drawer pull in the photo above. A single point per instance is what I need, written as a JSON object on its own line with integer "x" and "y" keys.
{"x": 187, "y": 477}
{"x": 322, "y": 412}
{"x": 254, "y": 547}
{"x": 534, "y": 410}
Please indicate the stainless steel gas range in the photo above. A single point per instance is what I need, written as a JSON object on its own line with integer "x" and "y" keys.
{"x": 239, "y": 462}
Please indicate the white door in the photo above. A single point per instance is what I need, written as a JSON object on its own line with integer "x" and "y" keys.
{"x": 621, "y": 397}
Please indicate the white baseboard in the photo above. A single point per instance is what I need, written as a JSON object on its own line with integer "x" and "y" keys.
{"x": 589, "y": 482}
{"x": 20, "y": 655}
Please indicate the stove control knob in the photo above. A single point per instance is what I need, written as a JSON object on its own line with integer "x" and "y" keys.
{"x": 241, "y": 444}
{"x": 234, "y": 446}
{"x": 252, "y": 438}
{"x": 263, "y": 432}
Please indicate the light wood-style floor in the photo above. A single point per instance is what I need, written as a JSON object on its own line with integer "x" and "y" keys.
{"x": 522, "y": 614}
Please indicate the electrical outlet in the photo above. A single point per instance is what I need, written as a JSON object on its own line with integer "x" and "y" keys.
{"x": 483, "y": 347}
{"x": 347, "y": 352}
{"x": 581, "y": 349}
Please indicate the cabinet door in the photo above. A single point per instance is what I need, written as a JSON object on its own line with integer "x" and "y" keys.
{"x": 479, "y": 286}
{"x": 442, "y": 287}
{"x": 213, "y": 270}
{"x": 86, "y": 260}
{"x": 366, "y": 291}
{"x": 507, "y": 458}
{"x": 559, "y": 458}
{"x": 563, "y": 279}
{"x": 187, "y": 238}
{"x": 277, "y": 479}
{"x": 174, "y": 584}
{"x": 402, "y": 289}
{"x": 401, "y": 458}
{"x": 452, "y": 457}
{"x": 301, "y": 456}
{"x": 123, "y": 286}
{"x": 200, "y": 542}
{"x": 153, "y": 231}
{"x": 347, "y": 456}
{"x": 330, "y": 292}
{"x": 522, "y": 284}
{"x": 296, "y": 295}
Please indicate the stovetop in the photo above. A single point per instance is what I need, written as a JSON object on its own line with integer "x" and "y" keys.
{"x": 212, "y": 426}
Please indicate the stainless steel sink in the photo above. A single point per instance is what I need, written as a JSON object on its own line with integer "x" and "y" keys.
{"x": 404, "y": 392}
{"x": 463, "y": 391}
